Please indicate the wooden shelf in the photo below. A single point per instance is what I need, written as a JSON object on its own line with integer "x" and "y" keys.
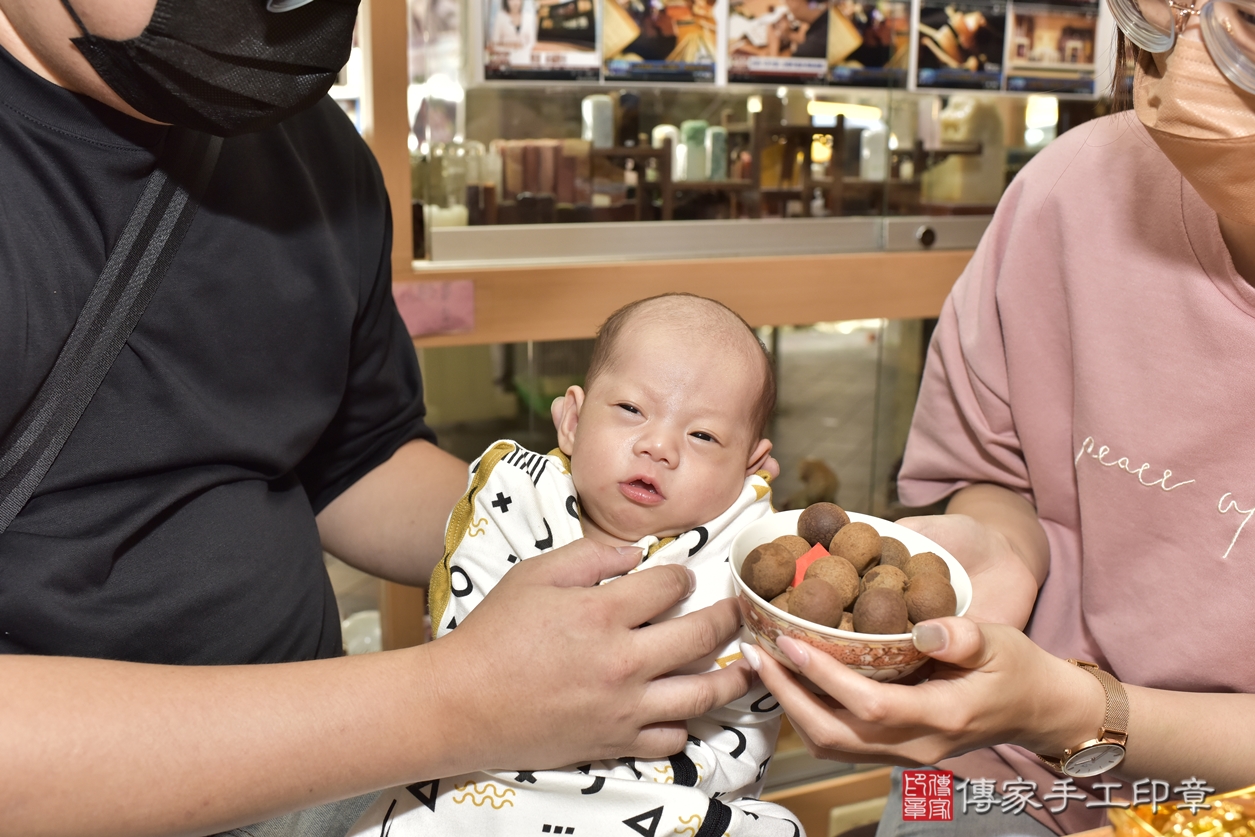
{"x": 569, "y": 301}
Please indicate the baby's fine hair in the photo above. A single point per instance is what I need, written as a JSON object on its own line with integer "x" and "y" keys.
{"x": 715, "y": 312}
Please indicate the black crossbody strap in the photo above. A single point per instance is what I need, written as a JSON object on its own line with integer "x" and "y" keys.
{"x": 127, "y": 284}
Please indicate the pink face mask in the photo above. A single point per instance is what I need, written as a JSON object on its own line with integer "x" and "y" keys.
{"x": 1202, "y": 123}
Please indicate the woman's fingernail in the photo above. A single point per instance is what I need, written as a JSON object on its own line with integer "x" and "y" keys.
{"x": 794, "y": 650}
{"x": 750, "y": 653}
{"x": 929, "y": 638}
{"x": 692, "y": 581}
{"x": 635, "y": 551}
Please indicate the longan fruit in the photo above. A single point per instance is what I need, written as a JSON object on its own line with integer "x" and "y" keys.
{"x": 880, "y": 611}
{"x": 926, "y": 562}
{"x": 820, "y": 522}
{"x": 929, "y": 596}
{"x": 838, "y": 572}
{"x": 858, "y": 543}
{"x": 768, "y": 570}
{"x": 884, "y": 576}
{"x": 815, "y": 601}
{"x": 797, "y": 546}
{"x": 893, "y": 553}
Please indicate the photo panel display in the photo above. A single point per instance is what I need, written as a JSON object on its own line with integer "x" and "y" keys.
{"x": 869, "y": 43}
{"x": 541, "y": 39}
{"x": 960, "y": 45}
{"x": 1051, "y": 48}
{"x": 659, "y": 40}
{"x": 778, "y": 41}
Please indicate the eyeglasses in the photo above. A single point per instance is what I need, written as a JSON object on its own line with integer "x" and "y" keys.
{"x": 1228, "y": 30}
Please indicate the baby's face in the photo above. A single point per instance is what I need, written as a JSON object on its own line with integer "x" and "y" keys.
{"x": 661, "y": 442}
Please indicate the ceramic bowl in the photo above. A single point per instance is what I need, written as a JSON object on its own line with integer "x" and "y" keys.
{"x": 878, "y": 656}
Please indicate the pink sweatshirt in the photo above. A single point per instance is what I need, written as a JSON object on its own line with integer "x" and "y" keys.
{"x": 1098, "y": 356}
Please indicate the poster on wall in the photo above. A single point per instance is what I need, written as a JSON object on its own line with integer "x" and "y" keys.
{"x": 778, "y": 41}
{"x": 959, "y": 45}
{"x": 869, "y": 43}
{"x": 541, "y": 39}
{"x": 1051, "y": 48}
{"x": 435, "y": 59}
{"x": 659, "y": 40}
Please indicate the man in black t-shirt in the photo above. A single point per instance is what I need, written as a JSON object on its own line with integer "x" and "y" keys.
{"x": 267, "y": 406}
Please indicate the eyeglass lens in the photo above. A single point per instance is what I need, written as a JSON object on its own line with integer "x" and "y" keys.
{"x": 1157, "y": 13}
{"x": 1228, "y": 27}
{"x": 1238, "y": 22}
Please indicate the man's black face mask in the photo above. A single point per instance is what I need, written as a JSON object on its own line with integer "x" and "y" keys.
{"x": 225, "y": 67}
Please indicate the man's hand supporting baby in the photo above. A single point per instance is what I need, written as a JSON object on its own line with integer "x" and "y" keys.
{"x": 510, "y": 666}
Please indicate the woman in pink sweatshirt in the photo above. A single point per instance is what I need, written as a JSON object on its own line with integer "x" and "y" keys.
{"x": 1087, "y": 407}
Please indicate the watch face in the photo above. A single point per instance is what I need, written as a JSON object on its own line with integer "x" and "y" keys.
{"x": 1094, "y": 759}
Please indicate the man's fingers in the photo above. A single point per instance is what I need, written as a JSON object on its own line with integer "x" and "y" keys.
{"x": 639, "y": 597}
{"x": 658, "y": 741}
{"x": 684, "y": 696}
{"x": 581, "y": 563}
{"x": 677, "y": 642}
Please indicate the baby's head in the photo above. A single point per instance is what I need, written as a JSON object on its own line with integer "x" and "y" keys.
{"x": 670, "y": 420}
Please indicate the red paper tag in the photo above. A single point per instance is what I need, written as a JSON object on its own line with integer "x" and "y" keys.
{"x": 803, "y": 564}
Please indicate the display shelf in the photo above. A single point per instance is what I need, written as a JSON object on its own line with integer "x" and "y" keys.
{"x": 660, "y": 157}
{"x": 568, "y": 301}
{"x": 569, "y": 243}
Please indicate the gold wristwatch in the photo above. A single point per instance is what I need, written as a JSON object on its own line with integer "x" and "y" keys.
{"x": 1100, "y": 754}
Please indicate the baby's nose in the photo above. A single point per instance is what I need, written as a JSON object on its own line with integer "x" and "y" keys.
{"x": 658, "y": 446}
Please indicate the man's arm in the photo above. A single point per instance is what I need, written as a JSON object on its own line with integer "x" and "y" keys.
{"x": 391, "y": 522}
{"x": 97, "y": 747}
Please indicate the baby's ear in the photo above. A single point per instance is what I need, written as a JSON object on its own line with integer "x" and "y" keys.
{"x": 566, "y": 416}
{"x": 758, "y": 456}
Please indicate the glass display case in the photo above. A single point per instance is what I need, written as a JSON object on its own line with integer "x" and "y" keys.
{"x": 710, "y": 122}
{"x": 548, "y": 161}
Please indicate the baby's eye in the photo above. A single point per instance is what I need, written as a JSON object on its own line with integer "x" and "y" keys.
{"x": 629, "y": 408}
{"x": 705, "y": 437}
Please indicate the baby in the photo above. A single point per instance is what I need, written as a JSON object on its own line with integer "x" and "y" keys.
{"x": 661, "y": 449}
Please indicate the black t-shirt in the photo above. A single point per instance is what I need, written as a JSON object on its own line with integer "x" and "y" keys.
{"x": 269, "y": 373}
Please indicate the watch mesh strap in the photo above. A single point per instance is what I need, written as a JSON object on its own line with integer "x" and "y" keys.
{"x": 1115, "y": 718}
{"x": 1116, "y": 715}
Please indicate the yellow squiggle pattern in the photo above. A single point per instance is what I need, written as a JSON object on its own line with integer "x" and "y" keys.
{"x": 489, "y": 794}
{"x": 691, "y": 829}
{"x": 666, "y": 777}
{"x": 479, "y": 527}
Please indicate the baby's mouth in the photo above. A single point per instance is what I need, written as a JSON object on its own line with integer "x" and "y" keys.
{"x": 642, "y": 490}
